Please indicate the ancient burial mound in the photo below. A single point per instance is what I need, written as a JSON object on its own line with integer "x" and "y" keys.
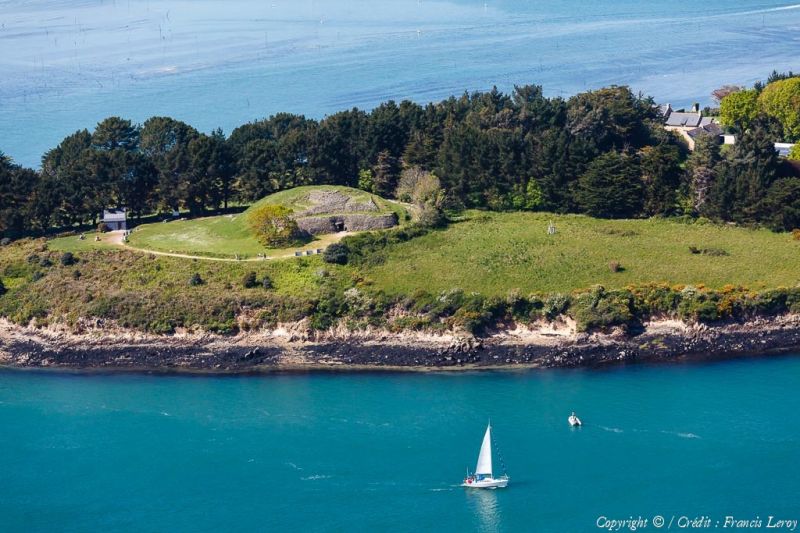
{"x": 321, "y": 211}
{"x": 332, "y": 211}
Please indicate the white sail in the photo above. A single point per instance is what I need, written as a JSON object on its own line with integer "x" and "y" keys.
{"x": 484, "y": 466}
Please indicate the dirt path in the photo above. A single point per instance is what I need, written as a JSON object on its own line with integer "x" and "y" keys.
{"x": 117, "y": 238}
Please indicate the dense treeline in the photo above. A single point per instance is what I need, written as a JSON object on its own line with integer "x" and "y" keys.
{"x": 602, "y": 152}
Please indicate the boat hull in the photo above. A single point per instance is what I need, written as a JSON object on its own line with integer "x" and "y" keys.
{"x": 487, "y": 484}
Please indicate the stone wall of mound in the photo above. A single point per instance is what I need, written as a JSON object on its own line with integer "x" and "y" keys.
{"x": 318, "y": 225}
{"x": 323, "y": 202}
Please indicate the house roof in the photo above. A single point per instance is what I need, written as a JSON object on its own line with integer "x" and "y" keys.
{"x": 114, "y": 215}
{"x": 711, "y": 128}
{"x": 690, "y": 120}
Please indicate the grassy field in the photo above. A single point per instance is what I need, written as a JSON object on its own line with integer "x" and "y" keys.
{"x": 493, "y": 253}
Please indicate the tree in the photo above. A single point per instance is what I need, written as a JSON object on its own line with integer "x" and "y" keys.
{"x": 115, "y": 132}
{"x": 610, "y": 118}
{"x": 611, "y": 187}
{"x": 386, "y": 173}
{"x": 739, "y": 109}
{"x": 74, "y": 195}
{"x": 661, "y": 172}
{"x": 701, "y": 168}
{"x": 365, "y": 180}
{"x": 527, "y": 196}
{"x": 273, "y": 225}
{"x": 164, "y": 141}
{"x": 425, "y": 191}
{"x": 743, "y": 180}
{"x": 209, "y": 175}
{"x": 336, "y": 148}
{"x": 417, "y": 186}
{"x": 781, "y": 100}
{"x": 386, "y": 131}
{"x": 16, "y": 187}
{"x": 781, "y": 205}
{"x": 794, "y": 153}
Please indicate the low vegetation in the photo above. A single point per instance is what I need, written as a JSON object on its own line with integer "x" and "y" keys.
{"x": 482, "y": 271}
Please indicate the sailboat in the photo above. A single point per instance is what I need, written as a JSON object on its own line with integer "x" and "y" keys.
{"x": 483, "y": 478}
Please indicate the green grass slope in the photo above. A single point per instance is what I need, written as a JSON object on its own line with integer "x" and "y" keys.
{"x": 493, "y": 253}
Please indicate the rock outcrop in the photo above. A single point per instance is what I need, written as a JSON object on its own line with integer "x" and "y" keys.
{"x": 295, "y": 347}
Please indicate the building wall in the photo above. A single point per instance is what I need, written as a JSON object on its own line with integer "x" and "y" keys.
{"x": 116, "y": 225}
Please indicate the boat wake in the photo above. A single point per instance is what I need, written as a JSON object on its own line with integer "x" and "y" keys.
{"x": 682, "y": 435}
{"x": 315, "y": 477}
{"x": 612, "y": 430}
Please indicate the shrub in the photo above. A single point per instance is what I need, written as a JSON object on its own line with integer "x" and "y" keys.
{"x": 2, "y": 288}
{"x": 67, "y": 259}
{"x": 266, "y": 283}
{"x": 196, "y": 280}
{"x": 714, "y": 252}
{"x": 76, "y": 274}
{"x": 37, "y": 275}
{"x": 249, "y": 280}
{"x": 614, "y": 266}
{"x": 45, "y": 262}
{"x": 599, "y": 309}
{"x": 274, "y": 226}
{"x": 103, "y": 228}
{"x": 431, "y": 217}
{"x": 555, "y": 305}
{"x": 796, "y": 232}
{"x": 336, "y": 253}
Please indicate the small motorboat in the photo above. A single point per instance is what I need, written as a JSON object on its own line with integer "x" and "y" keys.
{"x": 573, "y": 420}
{"x": 483, "y": 478}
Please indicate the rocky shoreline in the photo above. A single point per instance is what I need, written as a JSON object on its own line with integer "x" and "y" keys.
{"x": 293, "y": 348}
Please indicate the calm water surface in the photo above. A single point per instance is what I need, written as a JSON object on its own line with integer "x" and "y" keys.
{"x": 68, "y": 63}
{"x": 372, "y": 452}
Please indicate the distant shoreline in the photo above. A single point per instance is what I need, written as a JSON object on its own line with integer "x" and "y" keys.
{"x": 279, "y": 352}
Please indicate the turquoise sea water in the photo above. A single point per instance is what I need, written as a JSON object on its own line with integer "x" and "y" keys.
{"x": 377, "y": 452}
{"x": 68, "y": 63}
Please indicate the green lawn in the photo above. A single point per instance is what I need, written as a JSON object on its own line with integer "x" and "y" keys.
{"x": 221, "y": 236}
{"x": 74, "y": 244}
{"x": 493, "y": 253}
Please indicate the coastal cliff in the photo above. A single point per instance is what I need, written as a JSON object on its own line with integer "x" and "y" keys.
{"x": 293, "y": 347}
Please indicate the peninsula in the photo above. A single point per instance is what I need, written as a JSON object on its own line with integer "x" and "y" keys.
{"x": 489, "y": 230}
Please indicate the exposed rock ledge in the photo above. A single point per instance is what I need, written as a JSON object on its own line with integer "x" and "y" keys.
{"x": 293, "y": 347}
